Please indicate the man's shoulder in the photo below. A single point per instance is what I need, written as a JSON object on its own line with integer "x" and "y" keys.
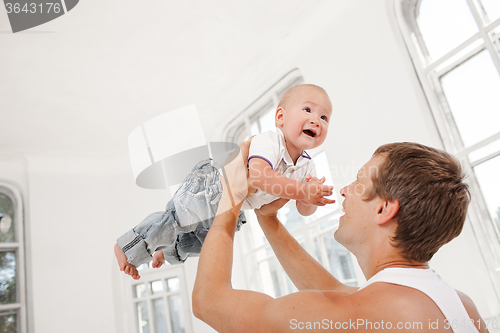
{"x": 378, "y": 298}
{"x": 386, "y": 300}
{"x": 471, "y": 309}
{"x": 376, "y": 308}
{"x": 390, "y": 293}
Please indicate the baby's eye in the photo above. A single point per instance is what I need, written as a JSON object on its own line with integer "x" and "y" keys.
{"x": 325, "y": 118}
{"x": 307, "y": 110}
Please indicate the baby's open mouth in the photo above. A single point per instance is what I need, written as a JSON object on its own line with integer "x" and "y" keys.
{"x": 309, "y": 133}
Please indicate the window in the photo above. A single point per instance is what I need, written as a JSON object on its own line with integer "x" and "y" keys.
{"x": 314, "y": 233}
{"x": 455, "y": 46}
{"x": 159, "y": 301}
{"x": 12, "y": 262}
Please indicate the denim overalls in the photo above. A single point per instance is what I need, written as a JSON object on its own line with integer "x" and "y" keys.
{"x": 180, "y": 230}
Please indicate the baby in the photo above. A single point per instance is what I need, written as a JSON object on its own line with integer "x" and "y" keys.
{"x": 279, "y": 167}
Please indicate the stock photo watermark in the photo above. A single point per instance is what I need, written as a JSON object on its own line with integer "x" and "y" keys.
{"x": 26, "y": 14}
{"x": 364, "y": 324}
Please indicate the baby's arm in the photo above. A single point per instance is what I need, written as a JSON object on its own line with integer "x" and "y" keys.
{"x": 263, "y": 177}
{"x": 304, "y": 208}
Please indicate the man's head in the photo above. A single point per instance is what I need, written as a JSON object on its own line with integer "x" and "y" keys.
{"x": 303, "y": 115}
{"x": 424, "y": 188}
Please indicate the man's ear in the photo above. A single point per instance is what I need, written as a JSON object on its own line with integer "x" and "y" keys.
{"x": 279, "y": 116}
{"x": 387, "y": 210}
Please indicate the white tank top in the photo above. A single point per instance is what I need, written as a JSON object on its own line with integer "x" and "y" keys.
{"x": 431, "y": 284}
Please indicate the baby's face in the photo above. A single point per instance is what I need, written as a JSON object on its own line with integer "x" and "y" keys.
{"x": 305, "y": 118}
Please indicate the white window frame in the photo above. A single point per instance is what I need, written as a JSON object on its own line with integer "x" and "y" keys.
{"x": 152, "y": 274}
{"x": 231, "y": 132}
{"x": 19, "y": 248}
{"x": 429, "y": 73}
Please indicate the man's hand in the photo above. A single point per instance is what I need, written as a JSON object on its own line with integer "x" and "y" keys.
{"x": 271, "y": 209}
{"x": 235, "y": 174}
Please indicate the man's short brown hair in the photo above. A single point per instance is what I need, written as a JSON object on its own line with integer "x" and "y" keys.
{"x": 433, "y": 199}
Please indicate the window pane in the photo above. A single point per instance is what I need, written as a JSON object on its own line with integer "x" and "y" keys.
{"x": 173, "y": 284}
{"x": 145, "y": 266}
{"x": 317, "y": 247}
{"x": 290, "y": 217}
{"x": 142, "y": 317}
{"x": 176, "y": 315}
{"x": 6, "y": 223}
{"x": 472, "y": 94}
{"x": 275, "y": 270}
{"x": 157, "y": 286}
{"x": 268, "y": 277}
{"x": 290, "y": 286}
{"x": 460, "y": 56}
{"x": 330, "y": 222}
{"x": 267, "y": 122}
{"x": 495, "y": 38}
{"x": 252, "y": 267}
{"x": 323, "y": 170}
{"x": 490, "y": 9}
{"x": 445, "y": 24}
{"x": 252, "y": 234}
{"x": 140, "y": 290}
{"x": 240, "y": 134}
{"x": 8, "y": 322}
{"x": 160, "y": 315}
{"x": 8, "y": 278}
{"x": 339, "y": 259}
{"x": 254, "y": 129}
{"x": 487, "y": 150}
{"x": 489, "y": 180}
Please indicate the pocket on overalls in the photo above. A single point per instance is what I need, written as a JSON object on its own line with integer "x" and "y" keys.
{"x": 200, "y": 195}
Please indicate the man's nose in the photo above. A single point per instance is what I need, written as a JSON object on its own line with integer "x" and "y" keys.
{"x": 342, "y": 191}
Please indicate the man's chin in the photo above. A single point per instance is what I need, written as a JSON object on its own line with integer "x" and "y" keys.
{"x": 339, "y": 233}
{"x": 336, "y": 235}
{"x": 339, "y": 237}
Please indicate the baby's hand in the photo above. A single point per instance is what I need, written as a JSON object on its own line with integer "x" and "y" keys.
{"x": 308, "y": 179}
{"x": 316, "y": 192}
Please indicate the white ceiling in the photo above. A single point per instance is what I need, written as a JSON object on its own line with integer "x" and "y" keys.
{"x": 81, "y": 83}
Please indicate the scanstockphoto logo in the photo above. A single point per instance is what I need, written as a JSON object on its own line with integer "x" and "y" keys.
{"x": 164, "y": 149}
{"x": 26, "y": 14}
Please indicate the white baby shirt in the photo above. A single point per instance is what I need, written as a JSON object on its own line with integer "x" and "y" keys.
{"x": 271, "y": 147}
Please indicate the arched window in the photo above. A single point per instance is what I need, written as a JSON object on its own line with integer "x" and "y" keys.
{"x": 315, "y": 233}
{"x": 455, "y": 48}
{"x": 12, "y": 262}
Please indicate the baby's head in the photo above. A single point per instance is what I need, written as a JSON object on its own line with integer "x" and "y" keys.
{"x": 303, "y": 115}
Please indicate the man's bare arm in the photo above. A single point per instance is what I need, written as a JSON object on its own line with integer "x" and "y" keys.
{"x": 304, "y": 271}
{"x": 229, "y": 310}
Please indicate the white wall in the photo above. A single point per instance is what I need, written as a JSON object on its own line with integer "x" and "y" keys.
{"x": 78, "y": 205}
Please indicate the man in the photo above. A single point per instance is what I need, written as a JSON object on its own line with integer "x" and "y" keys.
{"x": 406, "y": 202}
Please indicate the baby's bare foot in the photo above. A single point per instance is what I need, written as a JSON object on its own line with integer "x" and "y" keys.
{"x": 158, "y": 259}
{"x": 125, "y": 266}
